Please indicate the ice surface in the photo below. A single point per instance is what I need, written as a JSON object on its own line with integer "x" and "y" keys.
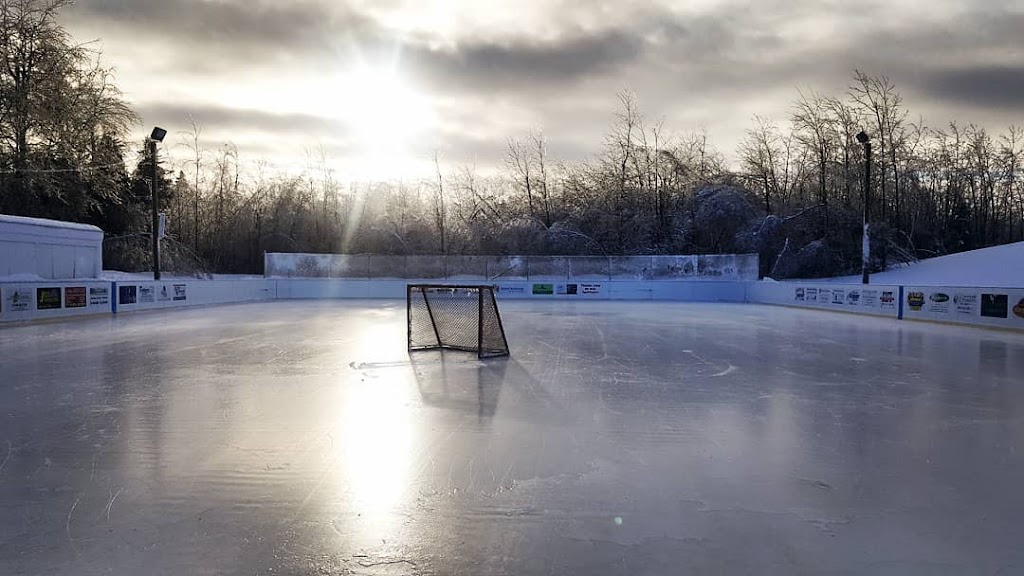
{"x": 619, "y": 438}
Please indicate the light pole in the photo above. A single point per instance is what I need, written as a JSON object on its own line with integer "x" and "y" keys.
{"x": 157, "y": 135}
{"x": 865, "y": 269}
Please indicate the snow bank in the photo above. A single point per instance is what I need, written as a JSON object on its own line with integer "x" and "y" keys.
{"x": 995, "y": 267}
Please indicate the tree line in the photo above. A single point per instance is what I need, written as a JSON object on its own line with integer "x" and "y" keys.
{"x": 795, "y": 196}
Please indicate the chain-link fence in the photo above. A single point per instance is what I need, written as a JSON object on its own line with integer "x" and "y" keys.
{"x": 513, "y": 268}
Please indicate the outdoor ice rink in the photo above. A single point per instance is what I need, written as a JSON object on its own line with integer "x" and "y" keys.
{"x": 620, "y": 438}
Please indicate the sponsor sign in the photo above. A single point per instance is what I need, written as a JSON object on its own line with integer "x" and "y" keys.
{"x": 995, "y": 305}
{"x": 99, "y": 296}
{"x": 127, "y": 294}
{"x": 1018, "y": 310}
{"x": 19, "y": 299}
{"x": 915, "y": 300}
{"x": 74, "y": 297}
{"x": 180, "y": 293}
{"x": 510, "y": 290}
{"x": 48, "y": 298}
{"x": 568, "y": 289}
{"x": 824, "y": 295}
{"x": 965, "y": 303}
{"x": 938, "y": 302}
{"x": 837, "y": 296}
{"x": 801, "y": 295}
{"x": 888, "y": 300}
{"x": 590, "y": 289}
{"x": 812, "y": 294}
{"x": 870, "y": 298}
{"x": 164, "y": 294}
{"x": 147, "y": 294}
{"x": 853, "y": 298}
{"x": 543, "y": 289}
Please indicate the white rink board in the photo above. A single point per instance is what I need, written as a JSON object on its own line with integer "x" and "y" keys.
{"x": 874, "y": 299}
{"x": 51, "y": 299}
{"x": 994, "y": 307}
{"x": 705, "y": 291}
{"x": 26, "y": 301}
{"x": 23, "y": 301}
{"x": 154, "y": 295}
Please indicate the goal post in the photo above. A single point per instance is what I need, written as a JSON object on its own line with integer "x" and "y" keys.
{"x": 455, "y": 317}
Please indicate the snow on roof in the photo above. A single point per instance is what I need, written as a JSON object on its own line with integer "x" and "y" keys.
{"x": 995, "y": 267}
{"x": 5, "y": 219}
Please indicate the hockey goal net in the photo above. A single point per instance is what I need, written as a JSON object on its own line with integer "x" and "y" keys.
{"x": 455, "y": 318}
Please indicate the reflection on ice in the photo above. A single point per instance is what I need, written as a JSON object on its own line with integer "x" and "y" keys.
{"x": 375, "y": 455}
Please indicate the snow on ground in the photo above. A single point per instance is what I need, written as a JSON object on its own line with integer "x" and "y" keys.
{"x": 21, "y": 278}
{"x": 996, "y": 267}
{"x": 118, "y": 276}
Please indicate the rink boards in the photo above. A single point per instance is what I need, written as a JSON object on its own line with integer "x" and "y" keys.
{"x": 978, "y": 306}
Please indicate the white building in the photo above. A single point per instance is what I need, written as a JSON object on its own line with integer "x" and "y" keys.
{"x": 34, "y": 248}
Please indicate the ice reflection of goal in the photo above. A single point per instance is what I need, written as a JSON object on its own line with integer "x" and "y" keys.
{"x": 455, "y": 317}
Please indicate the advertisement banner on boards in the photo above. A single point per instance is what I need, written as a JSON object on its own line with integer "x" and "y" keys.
{"x": 838, "y": 296}
{"x": 887, "y": 301}
{"x": 164, "y": 293}
{"x": 812, "y": 295}
{"x": 939, "y": 303}
{"x": 48, "y": 298}
{"x": 543, "y": 289}
{"x": 75, "y": 297}
{"x": 18, "y": 299}
{"x": 99, "y": 296}
{"x": 824, "y": 296}
{"x": 853, "y": 298}
{"x": 871, "y": 299}
{"x": 127, "y": 295}
{"x": 180, "y": 293}
{"x": 965, "y": 303}
{"x": 147, "y": 294}
{"x": 1018, "y": 309}
{"x": 996, "y": 307}
{"x": 509, "y": 290}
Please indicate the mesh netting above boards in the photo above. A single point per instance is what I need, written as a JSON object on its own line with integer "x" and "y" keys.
{"x": 455, "y": 317}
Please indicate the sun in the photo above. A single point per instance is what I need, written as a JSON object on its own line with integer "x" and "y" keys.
{"x": 385, "y": 118}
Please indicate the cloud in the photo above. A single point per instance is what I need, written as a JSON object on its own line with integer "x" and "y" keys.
{"x": 494, "y": 69}
{"x": 235, "y": 29}
{"x": 999, "y": 87}
{"x": 221, "y": 118}
{"x": 529, "y": 65}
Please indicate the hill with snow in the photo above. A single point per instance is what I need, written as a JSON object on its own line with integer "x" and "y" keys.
{"x": 995, "y": 267}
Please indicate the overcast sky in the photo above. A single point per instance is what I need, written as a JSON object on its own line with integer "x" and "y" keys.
{"x": 378, "y": 85}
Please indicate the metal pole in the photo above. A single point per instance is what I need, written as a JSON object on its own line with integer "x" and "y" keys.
{"x": 156, "y": 210}
{"x": 866, "y": 248}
